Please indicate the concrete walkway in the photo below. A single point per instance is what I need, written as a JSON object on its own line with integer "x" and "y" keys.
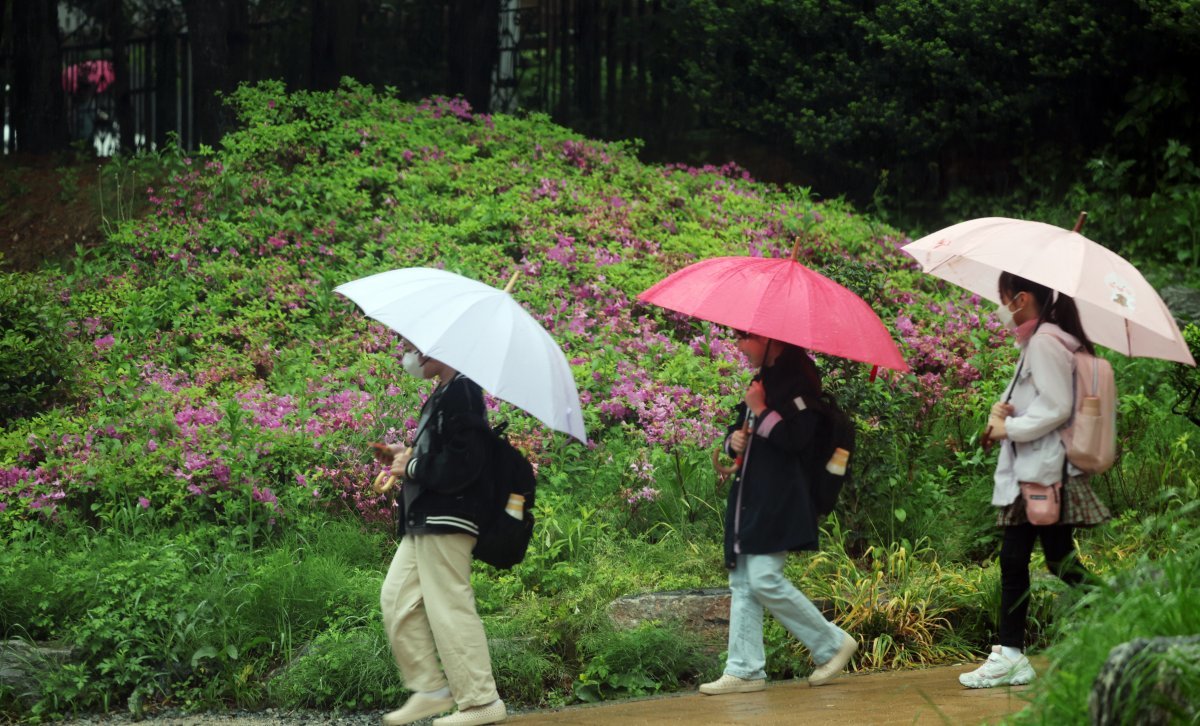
{"x": 929, "y": 696}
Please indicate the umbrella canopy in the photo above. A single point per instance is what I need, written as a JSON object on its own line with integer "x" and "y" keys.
{"x": 781, "y": 299}
{"x": 479, "y": 331}
{"x": 1117, "y": 307}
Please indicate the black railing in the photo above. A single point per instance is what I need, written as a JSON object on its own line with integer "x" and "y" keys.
{"x": 589, "y": 64}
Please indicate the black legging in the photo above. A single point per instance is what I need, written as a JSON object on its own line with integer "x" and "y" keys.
{"x": 1016, "y": 550}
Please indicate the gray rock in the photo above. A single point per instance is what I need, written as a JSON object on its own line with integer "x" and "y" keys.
{"x": 1183, "y": 302}
{"x": 1148, "y": 681}
{"x": 21, "y": 661}
{"x": 702, "y": 611}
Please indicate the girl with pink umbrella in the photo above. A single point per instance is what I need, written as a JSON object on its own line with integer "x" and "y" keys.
{"x": 1037, "y": 403}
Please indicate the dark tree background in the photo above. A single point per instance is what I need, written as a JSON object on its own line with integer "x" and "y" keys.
{"x": 219, "y": 37}
{"x": 916, "y": 109}
{"x": 37, "y": 86}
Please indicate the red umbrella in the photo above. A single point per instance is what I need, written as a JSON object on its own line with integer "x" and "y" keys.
{"x": 781, "y": 299}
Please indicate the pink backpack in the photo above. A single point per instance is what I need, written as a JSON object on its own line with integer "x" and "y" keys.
{"x": 1091, "y": 434}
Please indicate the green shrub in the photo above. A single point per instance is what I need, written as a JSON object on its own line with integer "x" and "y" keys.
{"x": 1151, "y": 594}
{"x": 526, "y": 668}
{"x": 342, "y": 669}
{"x": 647, "y": 659}
{"x": 1185, "y": 380}
{"x": 35, "y": 356}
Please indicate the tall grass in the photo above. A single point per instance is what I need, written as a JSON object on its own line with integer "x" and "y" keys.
{"x": 1149, "y": 595}
{"x": 185, "y": 617}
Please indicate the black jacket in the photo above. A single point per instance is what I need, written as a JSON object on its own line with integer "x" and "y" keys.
{"x": 770, "y": 508}
{"x": 441, "y": 489}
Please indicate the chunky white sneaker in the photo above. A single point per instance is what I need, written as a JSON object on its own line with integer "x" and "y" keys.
{"x": 999, "y": 671}
{"x": 417, "y": 707}
{"x": 494, "y": 712}
{"x": 733, "y": 684}
{"x": 834, "y": 665}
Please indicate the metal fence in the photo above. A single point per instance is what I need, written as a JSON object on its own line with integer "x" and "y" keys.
{"x": 589, "y": 64}
{"x": 156, "y": 86}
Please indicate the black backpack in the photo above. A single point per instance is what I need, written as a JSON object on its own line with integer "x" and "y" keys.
{"x": 838, "y": 433}
{"x": 503, "y": 539}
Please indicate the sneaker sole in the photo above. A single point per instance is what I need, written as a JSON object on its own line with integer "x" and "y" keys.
{"x": 1021, "y": 681}
{"x": 735, "y": 689}
{"x": 419, "y": 715}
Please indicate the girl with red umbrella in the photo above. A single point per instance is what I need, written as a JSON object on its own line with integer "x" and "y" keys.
{"x": 769, "y": 512}
{"x": 787, "y": 310}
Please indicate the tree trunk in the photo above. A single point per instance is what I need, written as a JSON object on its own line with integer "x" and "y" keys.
{"x": 218, "y": 36}
{"x": 118, "y": 33}
{"x": 335, "y": 28}
{"x": 39, "y": 110}
{"x": 474, "y": 44}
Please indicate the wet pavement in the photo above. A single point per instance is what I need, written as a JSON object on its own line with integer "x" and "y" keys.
{"x": 927, "y": 696}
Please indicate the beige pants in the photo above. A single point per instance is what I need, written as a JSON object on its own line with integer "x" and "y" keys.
{"x": 429, "y": 613}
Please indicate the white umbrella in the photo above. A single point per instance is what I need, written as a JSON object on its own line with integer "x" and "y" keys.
{"x": 479, "y": 331}
{"x": 1117, "y": 307}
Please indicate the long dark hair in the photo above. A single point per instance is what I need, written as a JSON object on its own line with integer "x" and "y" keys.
{"x": 793, "y": 374}
{"x": 1058, "y": 309}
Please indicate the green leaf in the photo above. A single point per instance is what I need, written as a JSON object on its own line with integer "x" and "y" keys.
{"x": 207, "y": 651}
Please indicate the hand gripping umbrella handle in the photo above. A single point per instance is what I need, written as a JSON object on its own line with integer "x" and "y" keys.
{"x": 723, "y": 471}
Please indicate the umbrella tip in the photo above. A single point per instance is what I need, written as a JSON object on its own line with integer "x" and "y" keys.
{"x": 796, "y": 249}
{"x": 512, "y": 281}
{"x": 1079, "y": 222}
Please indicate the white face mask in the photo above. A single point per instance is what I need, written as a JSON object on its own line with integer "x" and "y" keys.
{"x": 1006, "y": 315}
{"x": 411, "y": 363}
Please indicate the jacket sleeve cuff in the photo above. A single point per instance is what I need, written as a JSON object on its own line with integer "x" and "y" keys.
{"x": 768, "y": 422}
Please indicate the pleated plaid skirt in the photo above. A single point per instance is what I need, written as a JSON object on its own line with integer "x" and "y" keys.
{"x": 1081, "y": 507}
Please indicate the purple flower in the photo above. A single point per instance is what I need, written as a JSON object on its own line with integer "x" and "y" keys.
{"x": 143, "y": 502}
{"x": 645, "y": 494}
{"x": 151, "y": 445}
{"x": 104, "y": 343}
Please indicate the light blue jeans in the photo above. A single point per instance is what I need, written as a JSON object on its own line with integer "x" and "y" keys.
{"x": 758, "y": 582}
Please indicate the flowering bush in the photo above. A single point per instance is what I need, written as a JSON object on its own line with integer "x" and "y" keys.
{"x": 238, "y": 385}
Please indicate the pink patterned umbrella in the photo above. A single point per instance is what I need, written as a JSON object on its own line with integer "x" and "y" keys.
{"x": 1117, "y": 307}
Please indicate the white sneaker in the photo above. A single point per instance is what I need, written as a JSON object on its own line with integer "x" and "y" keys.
{"x": 834, "y": 665}
{"x": 999, "y": 671}
{"x": 733, "y": 684}
{"x": 417, "y": 707}
{"x": 494, "y": 712}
